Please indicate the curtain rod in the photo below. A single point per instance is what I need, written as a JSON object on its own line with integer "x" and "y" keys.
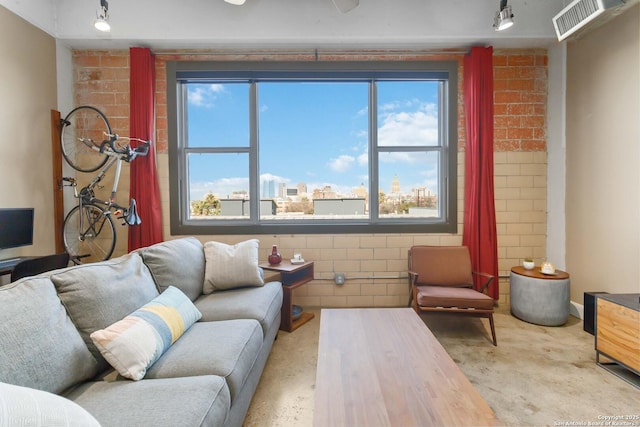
{"x": 315, "y": 52}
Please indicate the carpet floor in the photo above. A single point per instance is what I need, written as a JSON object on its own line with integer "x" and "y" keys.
{"x": 536, "y": 376}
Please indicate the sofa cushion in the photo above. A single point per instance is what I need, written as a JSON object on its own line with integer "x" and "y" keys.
{"x": 262, "y": 304}
{"x": 41, "y": 348}
{"x": 170, "y": 402}
{"x": 178, "y": 263}
{"x": 134, "y": 343}
{"x": 227, "y": 348}
{"x": 97, "y": 295}
{"x": 23, "y": 406}
{"x": 231, "y": 266}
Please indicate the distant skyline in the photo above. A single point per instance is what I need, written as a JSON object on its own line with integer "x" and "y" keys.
{"x": 315, "y": 133}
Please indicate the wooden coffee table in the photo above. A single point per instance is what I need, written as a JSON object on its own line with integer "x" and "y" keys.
{"x": 384, "y": 367}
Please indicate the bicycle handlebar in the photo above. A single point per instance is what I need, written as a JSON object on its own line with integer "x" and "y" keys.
{"x": 141, "y": 150}
{"x": 127, "y": 152}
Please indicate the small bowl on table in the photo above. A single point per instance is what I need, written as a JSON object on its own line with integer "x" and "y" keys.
{"x": 528, "y": 265}
{"x": 296, "y": 312}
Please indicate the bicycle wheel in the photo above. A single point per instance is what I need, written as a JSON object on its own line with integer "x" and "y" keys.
{"x": 89, "y": 234}
{"x": 82, "y": 133}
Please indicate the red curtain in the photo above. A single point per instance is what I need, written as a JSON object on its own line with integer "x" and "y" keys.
{"x": 144, "y": 176}
{"x": 479, "y": 210}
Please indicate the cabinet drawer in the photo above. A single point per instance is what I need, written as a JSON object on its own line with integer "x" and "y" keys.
{"x": 618, "y": 333}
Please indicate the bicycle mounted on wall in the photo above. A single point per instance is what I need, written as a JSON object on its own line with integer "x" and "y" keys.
{"x": 89, "y": 232}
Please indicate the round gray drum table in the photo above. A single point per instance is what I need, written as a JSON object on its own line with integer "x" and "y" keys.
{"x": 539, "y": 298}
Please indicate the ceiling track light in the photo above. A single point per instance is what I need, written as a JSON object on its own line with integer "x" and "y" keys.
{"x": 504, "y": 17}
{"x": 102, "y": 17}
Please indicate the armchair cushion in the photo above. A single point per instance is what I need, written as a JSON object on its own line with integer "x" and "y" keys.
{"x": 448, "y": 297}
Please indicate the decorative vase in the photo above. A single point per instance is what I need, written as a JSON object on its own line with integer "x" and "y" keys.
{"x": 275, "y": 257}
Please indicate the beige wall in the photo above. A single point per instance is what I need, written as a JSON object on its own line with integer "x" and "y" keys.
{"x": 603, "y": 154}
{"x": 27, "y": 96}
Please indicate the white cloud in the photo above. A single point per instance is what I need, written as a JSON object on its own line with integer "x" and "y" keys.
{"x": 389, "y": 106}
{"x": 341, "y": 163}
{"x": 204, "y": 95}
{"x": 362, "y": 112}
{"x": 409, "y": 128}
{"x": 275, "y": 178}
{"x": 196, "y": 96}
{"x": 363, "y": 159}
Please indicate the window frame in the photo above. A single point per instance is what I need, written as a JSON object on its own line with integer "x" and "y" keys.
{"x": 179, "y": 71}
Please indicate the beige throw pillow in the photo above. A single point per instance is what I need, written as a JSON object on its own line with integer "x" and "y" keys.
{"x": 231, "y": 266}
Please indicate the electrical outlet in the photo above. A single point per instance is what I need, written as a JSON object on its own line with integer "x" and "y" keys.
{"x": 339, "y": 278}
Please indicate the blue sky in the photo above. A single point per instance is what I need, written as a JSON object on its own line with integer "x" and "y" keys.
{"x": 316, "y": 133}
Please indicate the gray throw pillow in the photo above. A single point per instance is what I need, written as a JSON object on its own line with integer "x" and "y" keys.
{"x": 98, "y": 295}
{"x": 178, "y": 263}
{"x": 40, "y": 346}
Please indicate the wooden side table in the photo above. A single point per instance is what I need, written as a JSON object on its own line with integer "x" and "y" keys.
{"x": 539, "y": 298}
{"x": 291, "y": 276}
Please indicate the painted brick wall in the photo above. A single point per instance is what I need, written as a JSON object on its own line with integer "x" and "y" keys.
{"x": 375, "y": 264}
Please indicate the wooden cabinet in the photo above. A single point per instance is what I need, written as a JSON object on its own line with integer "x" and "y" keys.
{"x": 618, "y": 330}
{"x": 292, "y": 276}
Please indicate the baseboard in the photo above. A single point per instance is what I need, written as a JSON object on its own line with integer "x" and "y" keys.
{"x": 576, "y": 310}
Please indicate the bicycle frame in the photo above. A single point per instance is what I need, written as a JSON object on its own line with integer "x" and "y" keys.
{"x": 87, "y": 222}
{"x": 86, "y": 194}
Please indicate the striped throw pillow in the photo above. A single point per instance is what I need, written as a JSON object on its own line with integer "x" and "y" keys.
{"x": 135, "y": 343}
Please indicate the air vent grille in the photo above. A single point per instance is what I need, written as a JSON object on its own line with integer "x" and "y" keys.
{"x": 578, "y": 13}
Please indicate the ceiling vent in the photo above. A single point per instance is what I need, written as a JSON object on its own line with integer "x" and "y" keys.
{"x": 579, "y": 13}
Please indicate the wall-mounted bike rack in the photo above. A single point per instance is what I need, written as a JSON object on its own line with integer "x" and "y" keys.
{"x": 58, "y": 195}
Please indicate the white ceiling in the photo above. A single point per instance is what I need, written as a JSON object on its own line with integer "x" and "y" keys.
{"x": 385, "y": 24}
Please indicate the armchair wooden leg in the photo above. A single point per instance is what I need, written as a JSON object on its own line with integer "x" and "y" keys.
{"x": 493, "y": 330}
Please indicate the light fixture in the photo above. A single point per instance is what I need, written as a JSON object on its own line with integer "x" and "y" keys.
{"x": 102, "y": 17}
{"x": 236, "y": 2}
{"x": 504, "y": 17}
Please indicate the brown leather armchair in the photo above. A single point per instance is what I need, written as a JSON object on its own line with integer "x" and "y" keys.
{"x": 441, "y": 281}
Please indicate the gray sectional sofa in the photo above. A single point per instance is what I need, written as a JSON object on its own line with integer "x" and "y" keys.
{"x": 207, "y": 377}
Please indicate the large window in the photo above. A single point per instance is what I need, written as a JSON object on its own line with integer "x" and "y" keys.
{"x": 312, "y": 147}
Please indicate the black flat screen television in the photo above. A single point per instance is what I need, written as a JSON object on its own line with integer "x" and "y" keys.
{"x": 16, "y": 227}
